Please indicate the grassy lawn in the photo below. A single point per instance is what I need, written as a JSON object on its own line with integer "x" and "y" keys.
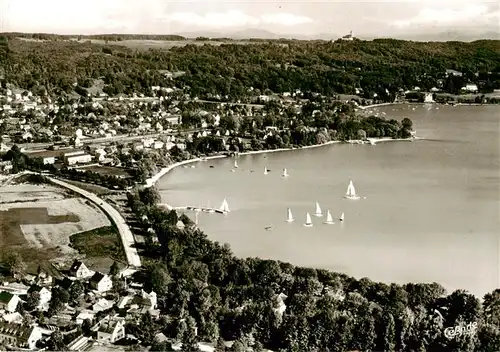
{"x": 103, "y": 242}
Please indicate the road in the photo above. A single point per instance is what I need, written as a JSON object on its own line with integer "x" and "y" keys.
{"x": 120, "y": 138}
{"x": 126, "y": 235}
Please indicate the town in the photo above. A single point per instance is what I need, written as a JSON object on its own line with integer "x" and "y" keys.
{"x": 92, "y": 261}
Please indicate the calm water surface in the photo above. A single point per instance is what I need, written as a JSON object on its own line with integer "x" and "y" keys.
{"x": 431, "y": 211}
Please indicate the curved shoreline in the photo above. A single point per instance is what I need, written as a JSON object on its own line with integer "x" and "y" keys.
{"x": 156, "y": 177}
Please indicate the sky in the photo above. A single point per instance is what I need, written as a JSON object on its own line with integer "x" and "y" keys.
{"x": 364, "y": 18}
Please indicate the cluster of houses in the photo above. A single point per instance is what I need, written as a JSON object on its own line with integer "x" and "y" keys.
{"x": 21, "y": 329}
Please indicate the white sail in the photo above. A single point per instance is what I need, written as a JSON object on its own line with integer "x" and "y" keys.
{"x": 289, "y": 217}
{"x": 265, "y": 171}
{"x": 342, "y": 217}
{"x": 235, "y": 164}
{"x": 308, "y": 220}
{"x": 285, "y": 173}
{"x": 318, "y": 210}
{"x": 351, "y": 191}
{"x": 329, "y": 219}
{"x": 224, "y": 207}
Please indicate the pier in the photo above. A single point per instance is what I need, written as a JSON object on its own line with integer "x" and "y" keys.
{"x": 192, "y": 208}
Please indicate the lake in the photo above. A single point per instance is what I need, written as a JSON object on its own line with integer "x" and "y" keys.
{"x": 431, "y": 212}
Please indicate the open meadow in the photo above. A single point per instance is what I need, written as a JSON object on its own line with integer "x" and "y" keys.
{"x": 47, "y": 224}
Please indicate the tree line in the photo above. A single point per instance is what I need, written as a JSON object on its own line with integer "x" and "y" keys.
{"x": 201, "y": 284}
{"x": 380, "y": 67}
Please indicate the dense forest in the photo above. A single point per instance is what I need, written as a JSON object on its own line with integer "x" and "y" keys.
{"x": 381, "y": 66}
{"x": 201, "y": 284}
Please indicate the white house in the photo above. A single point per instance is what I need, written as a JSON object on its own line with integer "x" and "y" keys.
{"x": 110, "y": 331}
{"x": 101, "y": 282}
{"x": 470, "y": 87}
{"x": 49, "y": 160}
{"x": 102, "y": 305}
{"x": 44, "y": 295}
{"x": 9, "y": 301}
{"x": 79, "y": 159}
{"x": 80, "y": 270}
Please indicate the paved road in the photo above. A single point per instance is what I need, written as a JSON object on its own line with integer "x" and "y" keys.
{"x": 126, "y": 235}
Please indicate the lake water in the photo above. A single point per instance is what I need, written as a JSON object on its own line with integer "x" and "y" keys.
{"x": 431, "y": 211}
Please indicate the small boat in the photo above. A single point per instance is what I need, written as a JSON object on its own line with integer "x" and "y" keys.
{"x": 235, "y": 164}
{"x": 329, "y": 219}
{"x": 341, "y": 217}
{"x": 318, "y": 212}
{"x": 351, "y": 192}
{"x": 209, "y": 208}
{"x": 289, "y": 216}
{"x": 266, "y": 171}
{"x": 308, "y": 221}
{"x": 285, "y": 173}
{"x": 224, "y": 207}
{"x": 268, "y": 228}
{"x": 233, "y": 170}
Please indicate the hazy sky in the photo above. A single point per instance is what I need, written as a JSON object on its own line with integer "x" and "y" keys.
{"x": 373, "y": 18}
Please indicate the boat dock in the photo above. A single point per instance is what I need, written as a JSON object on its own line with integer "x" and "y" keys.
{"x": 188, "y": 207}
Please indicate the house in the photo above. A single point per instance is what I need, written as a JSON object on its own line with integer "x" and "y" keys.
{"x": 450, "y": 72}
{"x": 6, "y": 166}
{"x": 20, "y": 336}
{"x": 79, "y": 159}
{"x": 101, "y": 282}
{"x": 80, "y": 270}
{"x": 470, "y": 87}
{"x": 102, "y": 305}
{"x": 44, "y": 295}
{"x": 84, "y": 315}
{"x": 110, "y": 331}
{"x": 9, "y": 301}
{"x": 49, "y": 160}
{"x": 348, "y": 36}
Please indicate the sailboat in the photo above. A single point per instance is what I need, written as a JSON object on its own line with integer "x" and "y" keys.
{"x": 308, "y": 221}
{"x": 224, "y": 207}
{"x": 265, "y": 171}
{"x": 329, "y": 219}
{"x": 289, "y": 217}
{"x": 318, "y": 212}
{"x": 341, "y": 217}
{"x": 351, "y": 192}
{"x": 235, "y": 164}
{"x": 285, "y": 173}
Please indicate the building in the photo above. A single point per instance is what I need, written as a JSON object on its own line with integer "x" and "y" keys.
{"x": 49, "y": 160}
{"x": 348, "y": 36}
{"x": 9, "y": 301}
{"x": 101, "y": 282}
{"x": 470, "y": 87}
{"x": 20, "y": 336}
{"x": 80, "y": 270}
{"x": 110, "y": 331}
{"x": 79, "y": 159}
{"x": 44, "y": 295}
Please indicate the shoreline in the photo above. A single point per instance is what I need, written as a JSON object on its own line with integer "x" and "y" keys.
{"x": 162, "y": 172}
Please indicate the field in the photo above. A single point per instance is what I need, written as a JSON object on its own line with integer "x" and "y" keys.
{"x": 165, "y": 44}
{"x": 37, "y": 221}
{"x": 107, "y": 170}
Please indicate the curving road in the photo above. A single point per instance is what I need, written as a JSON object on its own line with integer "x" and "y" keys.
{"x": 126, "y": 235}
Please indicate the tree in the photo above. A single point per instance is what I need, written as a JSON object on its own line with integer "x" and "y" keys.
{"x": 220, "y": 346}
{"x": 150, "y": 195}
{"x": 114, "y": 269}
{"x": 189, "y": 339}
{"x": 15, "y": 265}
{"x": 157, "y": 278}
